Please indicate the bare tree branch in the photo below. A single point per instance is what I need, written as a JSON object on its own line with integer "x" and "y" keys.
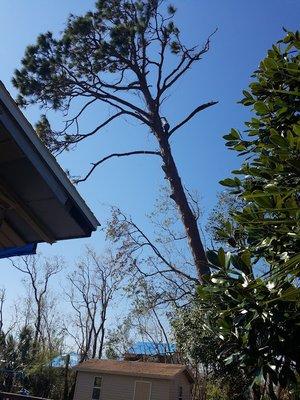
{"x": 189, "y": 56}
{"x": 158, "y": 253}
{"x": 130, "y": 153}
{"x": 2, "y": 300}
{"x": 192, "y": 114}
{"x": 75, "y": 138}
{"x": 39, "y": 273}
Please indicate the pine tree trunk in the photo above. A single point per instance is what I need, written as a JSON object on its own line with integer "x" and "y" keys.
{"x": 179, "y": 196}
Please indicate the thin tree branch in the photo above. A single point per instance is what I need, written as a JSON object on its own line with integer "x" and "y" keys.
{"x": 192, "y": 114}
{"x": 188, "y": 55}
{"x": 130, "y": 153}
{"x": 159, "y": 254}
{"x": 75, "y": 138}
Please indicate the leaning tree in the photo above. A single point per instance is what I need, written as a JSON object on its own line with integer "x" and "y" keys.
{"x": 118, "y": 55}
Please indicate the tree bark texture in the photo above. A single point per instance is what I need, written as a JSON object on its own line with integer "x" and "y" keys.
{"x": 179, "y": 196}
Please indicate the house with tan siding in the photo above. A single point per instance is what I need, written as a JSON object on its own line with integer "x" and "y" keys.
{"x": 132, "y": 380}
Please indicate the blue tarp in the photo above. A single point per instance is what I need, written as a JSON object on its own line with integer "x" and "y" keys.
{"x": 19, "y": 251}
{"x": 60, "y": 361}
{"x": 152, "y": 349}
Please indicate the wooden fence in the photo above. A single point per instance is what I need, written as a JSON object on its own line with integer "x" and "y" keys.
{"x": 15, "y": 396}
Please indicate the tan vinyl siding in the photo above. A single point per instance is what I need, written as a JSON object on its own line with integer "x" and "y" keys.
{"x": 117, "y": 387}
{"x": 84, "y": 386}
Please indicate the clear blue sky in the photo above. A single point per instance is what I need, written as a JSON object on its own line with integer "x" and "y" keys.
{"x": 246, "y": 29}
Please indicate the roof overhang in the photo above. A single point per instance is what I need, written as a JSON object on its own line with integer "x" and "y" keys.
{"x": 124, "y": 373}
{"x": 38, "y": 203}
{"x": 189, "y": 375}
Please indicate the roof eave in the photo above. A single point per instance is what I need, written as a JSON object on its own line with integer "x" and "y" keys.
{"x": 124, "y": 373}
{"x": 46, "y": 156}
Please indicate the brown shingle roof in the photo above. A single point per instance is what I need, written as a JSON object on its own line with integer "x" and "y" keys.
{"x": 134, "y": 368}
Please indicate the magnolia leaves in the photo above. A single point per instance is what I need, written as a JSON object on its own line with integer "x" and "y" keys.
{"x": 253, "y": 293}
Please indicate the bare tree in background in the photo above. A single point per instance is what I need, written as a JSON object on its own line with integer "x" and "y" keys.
{"x": 7, "y": 325}
{"x": 93, "y": 286}
{"x": 38, "y": 273}
{"x": 53, "y": 332}
{"x": 2, "y": 301}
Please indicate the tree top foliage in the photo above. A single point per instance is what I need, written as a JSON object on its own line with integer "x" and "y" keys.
{"x": 111, "y": 42}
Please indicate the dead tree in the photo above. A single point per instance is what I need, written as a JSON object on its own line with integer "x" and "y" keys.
{"x": 38, "y": 274}
{"x": 93, "y": 286}
{"x": 2, "y": 301}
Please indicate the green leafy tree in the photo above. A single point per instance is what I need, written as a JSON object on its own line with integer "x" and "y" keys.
{"x": 255, "y": 314}
{"x": 26, "y": 364}
{"x": 270, "y": 183}
{"x": 8, "y": 362}
{"x": 116, "y": 56}
{"x": 221, "y": 226}
{"x": 119, "y": 340}
{"x": 25, "y": 346}
{"x": 215, "y": 378}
